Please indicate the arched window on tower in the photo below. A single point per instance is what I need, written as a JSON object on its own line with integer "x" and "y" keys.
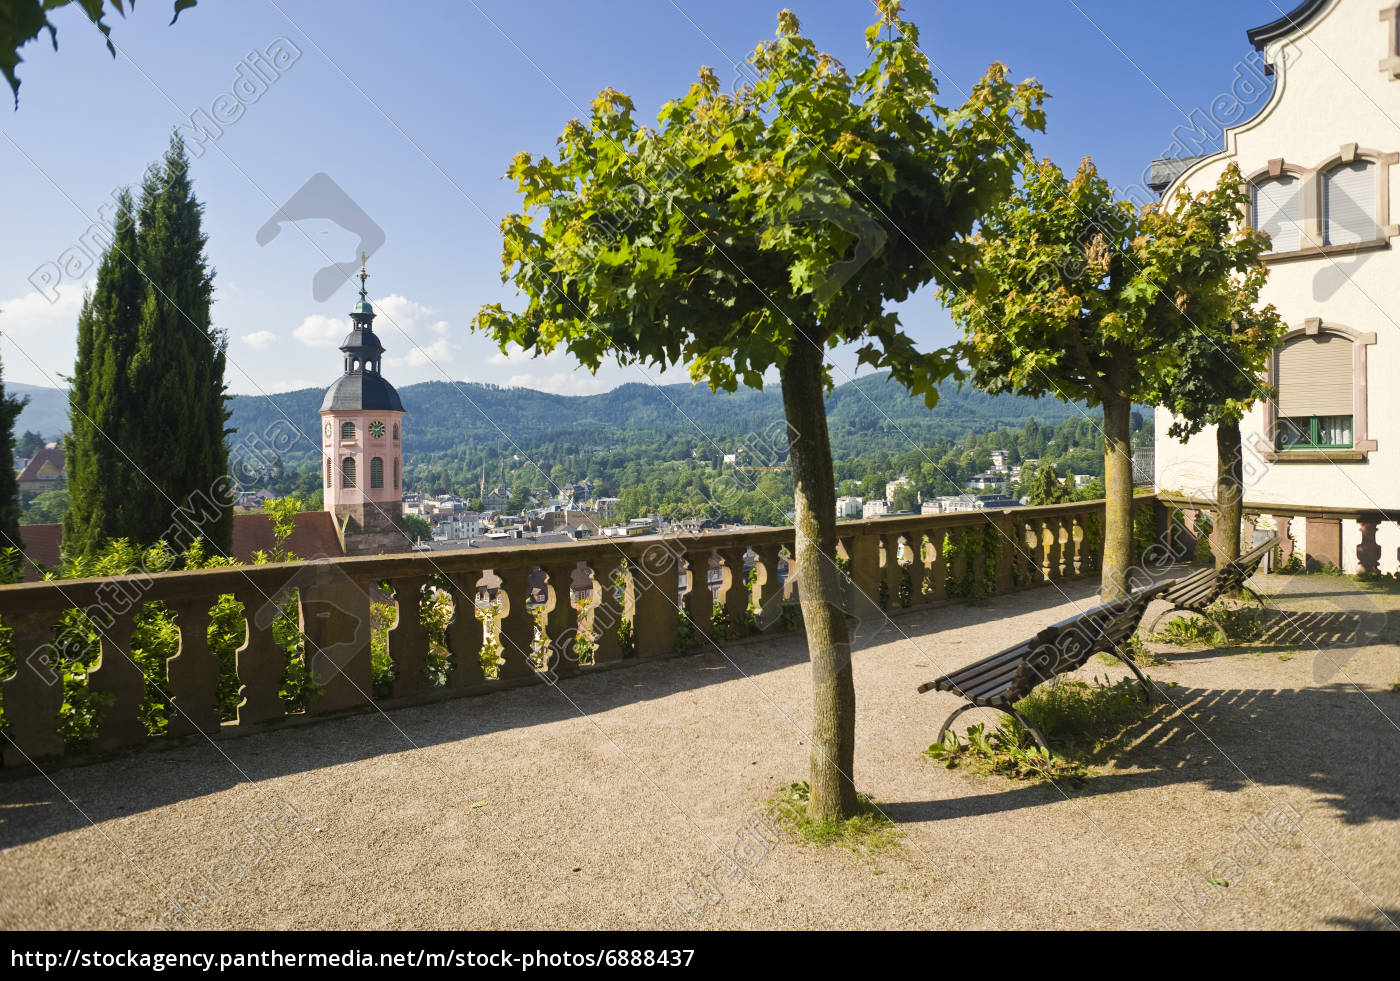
{"x": 396, "y": 473}
{"x": 347, "y": 472}
{"x": 347, "y": 430}
{"x": 396, "y": 432}
{"x": 328, "y": 471}
{"x": 376, "y": 472}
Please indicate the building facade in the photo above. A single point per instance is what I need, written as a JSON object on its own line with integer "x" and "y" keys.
{"x": 1320, "y": 159}
{"x": 362, "y": 443}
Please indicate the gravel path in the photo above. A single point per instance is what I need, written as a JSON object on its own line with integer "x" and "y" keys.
{"x": 596, "y": 804}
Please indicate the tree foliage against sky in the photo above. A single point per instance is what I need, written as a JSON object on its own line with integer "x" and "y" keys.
{"x": 747, "y": 233}
{"x": 147, "y": 395}
{"x": 21, "y": 21}
{"x": 1074, "y": 293}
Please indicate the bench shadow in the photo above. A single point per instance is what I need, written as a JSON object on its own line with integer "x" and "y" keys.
{"x": 1330, "y": 741}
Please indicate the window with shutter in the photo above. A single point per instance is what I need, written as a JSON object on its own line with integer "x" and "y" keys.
{"x": 347, "y": 472}
{"x": 347, "y": 430}
{"x": 1278, "y": 211}
{"x": 1315, "y": 393}
{"x": 1349, "y": 202}
{"x": 376, "y": 472}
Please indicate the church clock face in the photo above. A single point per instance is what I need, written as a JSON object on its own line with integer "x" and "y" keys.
{"x": 376, "y": 429}
{"x": 328, "y": 430}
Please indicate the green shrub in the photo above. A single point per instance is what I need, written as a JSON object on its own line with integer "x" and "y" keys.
{"x": 1082, "y": 722}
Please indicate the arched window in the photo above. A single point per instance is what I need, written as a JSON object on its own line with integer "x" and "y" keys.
{"x": 328, "y": 471}
{"x": 1316, "y": 393}
{"x": 347, "y": 430}
{"x": 1278, "y": 211}
{"x": 376, "y": 472}
{"x": 396, "y": 473}
{"x": 1349, "y": 203}
{"x": 347, "y": 472}
{"x": 396, "y": 432}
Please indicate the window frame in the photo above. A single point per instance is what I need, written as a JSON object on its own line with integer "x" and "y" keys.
{"x": 1312, "y": 235}
{"x": 1362, "y": 442}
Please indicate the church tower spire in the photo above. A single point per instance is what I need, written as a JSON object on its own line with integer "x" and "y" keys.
{"x": 362, "y": 440}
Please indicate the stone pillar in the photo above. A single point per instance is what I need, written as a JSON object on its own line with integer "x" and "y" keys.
{"x": 34, "y": 693}
{"x": 1285, "y": 544}
{"x": 1324, "y": 542}
{"x": 1368, "y": 551}
{"x": 408, "y": 639}
{"x": 193, "y": 673}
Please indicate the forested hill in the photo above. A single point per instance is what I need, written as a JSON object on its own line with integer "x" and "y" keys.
{"x": 462, "y": 421}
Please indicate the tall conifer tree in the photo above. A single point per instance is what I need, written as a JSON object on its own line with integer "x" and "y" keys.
{"x": 9, "y": 484}
{"x": 148, "y": 392}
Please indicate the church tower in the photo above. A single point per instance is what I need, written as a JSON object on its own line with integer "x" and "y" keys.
{"x": 362, "y": 443}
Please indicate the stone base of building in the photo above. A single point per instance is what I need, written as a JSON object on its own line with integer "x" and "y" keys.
{"x": 373, "y": 529}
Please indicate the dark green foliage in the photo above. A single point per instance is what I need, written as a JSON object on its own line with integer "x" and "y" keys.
{"x": 22, "y": 21}
{"x": 147, "y": 458}
{"x": 9, "y": 487}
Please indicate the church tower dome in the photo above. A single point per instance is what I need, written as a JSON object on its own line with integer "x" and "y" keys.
{"x": 362, "y": 442}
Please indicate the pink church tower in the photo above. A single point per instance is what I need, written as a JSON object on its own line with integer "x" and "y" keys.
{"x": 362, "y": 443}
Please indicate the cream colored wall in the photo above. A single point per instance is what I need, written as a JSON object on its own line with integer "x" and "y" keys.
{"x": 1329, "y": 91}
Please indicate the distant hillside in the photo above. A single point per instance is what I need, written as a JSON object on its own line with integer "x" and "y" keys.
{"x": 462, "y": 419}
{"x": 46, "y": 413}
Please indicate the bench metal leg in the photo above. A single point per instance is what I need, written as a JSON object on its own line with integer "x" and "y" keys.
{"x": 1030, "y": 727}
{"x": 1142, "y": 678}
{"x": 943, "y": 729}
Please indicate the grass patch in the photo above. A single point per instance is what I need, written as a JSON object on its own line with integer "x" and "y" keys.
{"x": 1224, "y": 625}
{"x": 868, "y": 831}
{"x": 1084, "y": 723}
{"x": 1137, "y": 652}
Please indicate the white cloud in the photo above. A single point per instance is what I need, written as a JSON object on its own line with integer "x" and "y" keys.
{"x": 318, "y": 330}
{"x": 33, "y": 311}
{"x": 259, "y": 339}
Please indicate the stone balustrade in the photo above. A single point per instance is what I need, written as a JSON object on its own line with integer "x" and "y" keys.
{"x": 1318, "y": 536}
{"x": 268, "y": 644}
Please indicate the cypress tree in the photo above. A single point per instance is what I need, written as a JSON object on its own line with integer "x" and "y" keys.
{"x": 150, "y": 381}
{"x": 177, "y": 371}
{"x": 100, "y": 412}
{"x": 9, "y": 484}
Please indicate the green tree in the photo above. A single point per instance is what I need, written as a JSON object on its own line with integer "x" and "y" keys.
{"x": 750, "y": 232}
{"x": 100, "y": 399}
{"x": 10, "y": 408}
{"x": 22, "y": 21}
{"x": 418, "y": 529}
{"x": 1072, "y": 293}
{"x": 147, "y": 400}
{"x": 1046, "y": 487}
{"x": 1223, "y": 361}
{"x": 29, "y": 444}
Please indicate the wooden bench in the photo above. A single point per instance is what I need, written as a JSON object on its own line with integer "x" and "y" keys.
{"x": 1198, "y": 590}
{"x": 1004, "y": 678}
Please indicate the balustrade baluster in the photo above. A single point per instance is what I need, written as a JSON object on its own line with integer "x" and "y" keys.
{"x": 119, "y": 676}
{"x": 466, "y": 634}
{"x": 408, "y": 638}
{"x": 193, "y": 673}
{"x": 517, "y": 623}
{"x": 336, "y": 619}
{"x": 34, "y": 694}
{"x": 260, "y": 662}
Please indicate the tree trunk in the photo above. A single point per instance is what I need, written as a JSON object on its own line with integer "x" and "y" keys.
{"x": 819, "y": 588}
{"x": 1229, "y": 493}
{"x": 1118, "y": 492}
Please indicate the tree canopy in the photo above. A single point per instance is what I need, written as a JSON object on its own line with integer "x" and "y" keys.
{"x": 749, "y": 232}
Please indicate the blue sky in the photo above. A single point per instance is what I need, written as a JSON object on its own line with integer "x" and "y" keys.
{"x": 415, "y": 110}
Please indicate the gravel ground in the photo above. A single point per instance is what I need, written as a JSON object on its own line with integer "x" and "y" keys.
{"x": 596, "y": 804}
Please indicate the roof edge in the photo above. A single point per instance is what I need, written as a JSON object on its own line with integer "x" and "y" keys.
{"x": 1291, "y": 22}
